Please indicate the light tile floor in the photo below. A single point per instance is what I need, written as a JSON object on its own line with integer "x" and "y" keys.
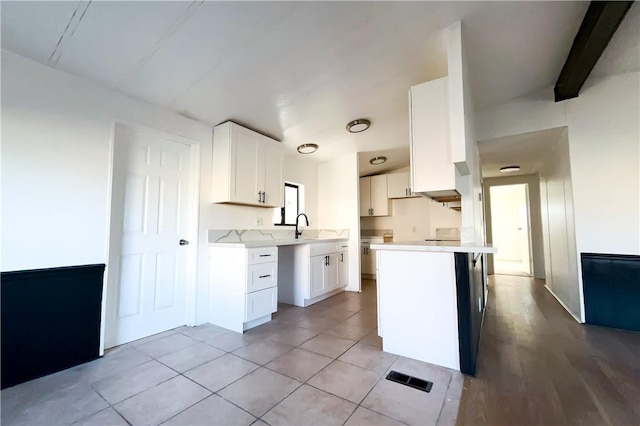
{"x": 317, "y": 365}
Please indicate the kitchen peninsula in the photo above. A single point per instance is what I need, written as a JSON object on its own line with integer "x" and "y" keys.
{"x": 431, "y": 299}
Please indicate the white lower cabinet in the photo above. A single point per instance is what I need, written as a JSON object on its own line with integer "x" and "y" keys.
{"x": 324, "y": 274}
{"x": 343, "y": 268}
{"x": 317, "y": 275}
{"x": 368, "y": 260}
{"x": 320, "y": 271}
{"x": 261, "y": 303}
{"x": 244, "y": 286}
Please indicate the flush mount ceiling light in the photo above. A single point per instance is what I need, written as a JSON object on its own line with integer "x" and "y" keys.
{"x": 359, "y": 125}
{"x": 377, "y": 160}
{"x": 307, "y": 148}
{"x": 508, "y": 169}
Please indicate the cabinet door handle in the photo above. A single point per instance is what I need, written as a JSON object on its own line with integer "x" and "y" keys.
{"x": 259, "y": 196}
{"x": 264, "y": 197}
{"x": 406, "y": 191}
{"x": 264, "y": 255}
{"x": 265, "y": 276}
{"x": 341, "y": 257}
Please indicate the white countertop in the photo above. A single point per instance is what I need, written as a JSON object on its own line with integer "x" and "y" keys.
{"x": 435, "y": 246}
{"x": 271, "y": 243}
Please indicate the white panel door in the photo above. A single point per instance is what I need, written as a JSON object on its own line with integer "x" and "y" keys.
{"x": 151, "y": 184}
{"x": 273, "y": 183}
{"x": 247, "y": 166}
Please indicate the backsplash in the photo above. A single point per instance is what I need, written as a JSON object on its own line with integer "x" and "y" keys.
{"x": 246, "y": 235}
{"x": 376, "y": 232}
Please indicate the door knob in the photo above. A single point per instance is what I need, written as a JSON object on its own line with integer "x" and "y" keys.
{"x": 184, "y": 243}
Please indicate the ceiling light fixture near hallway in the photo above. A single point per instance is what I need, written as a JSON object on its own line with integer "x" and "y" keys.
{"x": 359, "y": 125}
{"x": 508, "y": 169}
{"x": 307, "y": 148}
{"x": 377, "y": 160}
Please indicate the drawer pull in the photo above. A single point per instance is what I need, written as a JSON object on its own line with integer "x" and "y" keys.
{"x": 265, "y": 255}
{"x": 264, "y": 276}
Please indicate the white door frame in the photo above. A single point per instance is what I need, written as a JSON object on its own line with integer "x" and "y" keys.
{"x": 535, "y": 221}
{"x": 192, "y": 228}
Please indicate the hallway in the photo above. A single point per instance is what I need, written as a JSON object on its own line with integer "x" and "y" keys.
{"x": 537, "y": 365}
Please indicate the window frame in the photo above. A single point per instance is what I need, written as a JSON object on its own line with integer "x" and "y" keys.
{"x": 282, "y": 209}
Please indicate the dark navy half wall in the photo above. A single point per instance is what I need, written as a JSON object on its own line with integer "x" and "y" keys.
{"x": 50, "y": 320}
{"x": 611, "y": 285}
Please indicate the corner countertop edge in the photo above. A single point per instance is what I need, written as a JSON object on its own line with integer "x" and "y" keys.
{"x": 435, "y": 246}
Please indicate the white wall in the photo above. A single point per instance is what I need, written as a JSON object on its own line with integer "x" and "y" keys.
{"x": 463, "y": 137}
{"x": 559, "y": 228}
{"x": 604, "y": 154}
{"x": 297, "y": 169}
{"x": 57, "y": 135}
{"x": 338, "y": 198}
{"x": 537, "y": 243}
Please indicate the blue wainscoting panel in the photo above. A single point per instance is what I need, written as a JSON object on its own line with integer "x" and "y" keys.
{"x": 50, "y": 320}
{"x": 611, "y": 285}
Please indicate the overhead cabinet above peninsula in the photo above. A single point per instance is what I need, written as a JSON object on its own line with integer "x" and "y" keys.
{"x": 247, "y": 167}
{"x": 432, "y": 169}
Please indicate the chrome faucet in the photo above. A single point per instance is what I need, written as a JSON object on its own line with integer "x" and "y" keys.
{"x": 298, "y": 233}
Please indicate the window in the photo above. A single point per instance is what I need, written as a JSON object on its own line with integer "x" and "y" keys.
{"x": 287, "y": 214}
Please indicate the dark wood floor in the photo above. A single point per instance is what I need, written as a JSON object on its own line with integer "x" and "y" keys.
{"x": 537, "y": 365}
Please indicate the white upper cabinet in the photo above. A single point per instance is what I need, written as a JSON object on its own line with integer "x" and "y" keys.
{"x": 365, "y": 196}
{"x": 247, "y": 167}
{"x": 399, "y": 185}
{"x": 273, "y": 183}
{"x": 432, "y": 168}
{"x": 373, "y": 196}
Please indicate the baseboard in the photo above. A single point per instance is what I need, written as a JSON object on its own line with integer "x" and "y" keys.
{"x": 563, "y": 305}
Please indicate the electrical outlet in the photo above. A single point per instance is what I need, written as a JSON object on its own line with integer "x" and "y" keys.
{"x": 413, "y": 229}
{"x": 258, "y": 221}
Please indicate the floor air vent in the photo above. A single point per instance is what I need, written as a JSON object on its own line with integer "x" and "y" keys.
{"x": 410, "y": 381}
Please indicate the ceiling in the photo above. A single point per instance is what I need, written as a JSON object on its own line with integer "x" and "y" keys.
{"x": 527, "y": 150}
{"x": 622, "y": 54}
{"x": 397, "y": 158}
{"x": 297, "y": 71}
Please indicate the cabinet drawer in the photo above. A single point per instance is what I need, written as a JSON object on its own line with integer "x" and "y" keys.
{"x": 262, "y": 255}
{"x": 261, "y": 303}
{"x": 261, "y": 276}
{"x": 318, "y": 249}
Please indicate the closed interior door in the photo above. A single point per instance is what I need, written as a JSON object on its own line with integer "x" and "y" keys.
{"x": 150, "y": 199}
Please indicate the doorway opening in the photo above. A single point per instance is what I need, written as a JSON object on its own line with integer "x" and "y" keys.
{"x": 511, "y": 230}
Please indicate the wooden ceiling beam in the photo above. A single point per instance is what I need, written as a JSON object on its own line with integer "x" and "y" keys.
{"x": 598, "y": 26}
